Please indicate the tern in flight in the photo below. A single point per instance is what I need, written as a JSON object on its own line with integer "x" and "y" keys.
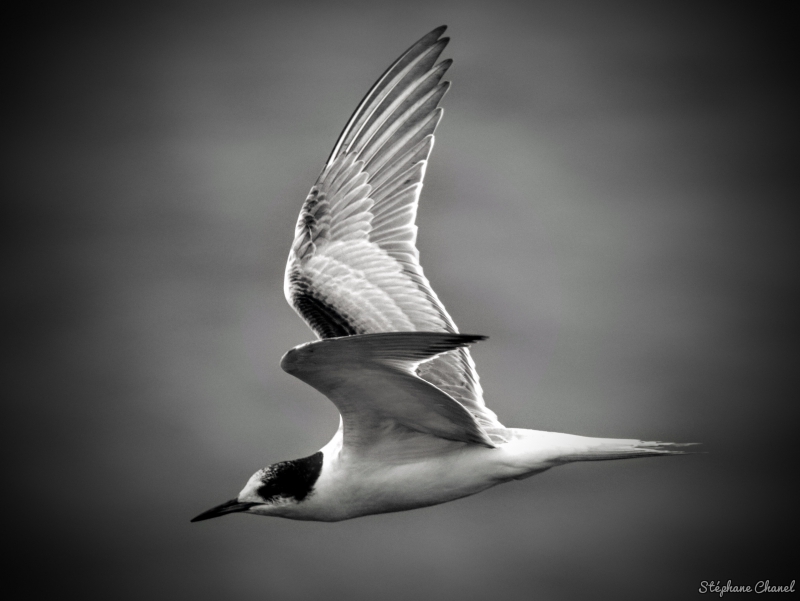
{"x": 414, "y": 428}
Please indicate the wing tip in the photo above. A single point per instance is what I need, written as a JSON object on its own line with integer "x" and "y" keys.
{"x": 471, "y": 338}
{"x": 448, "y": 340}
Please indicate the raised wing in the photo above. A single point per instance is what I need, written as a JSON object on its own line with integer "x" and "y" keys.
{"x": 372, "y": 381}
{"x": 354, "y": 266}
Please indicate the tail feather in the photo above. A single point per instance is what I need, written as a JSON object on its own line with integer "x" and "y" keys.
{"x": 604, "y": 449}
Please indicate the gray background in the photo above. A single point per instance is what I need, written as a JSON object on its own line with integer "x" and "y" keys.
{"x": 608, "y": 199}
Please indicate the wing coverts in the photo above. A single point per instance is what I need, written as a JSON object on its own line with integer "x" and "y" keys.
{"x": 372, "y": 381}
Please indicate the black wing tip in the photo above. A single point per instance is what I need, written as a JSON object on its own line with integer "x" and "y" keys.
{"x": 454, "y": 340}
{"x": 429, "y": 40}
{"x": 456, "y": 336}
{"x": 432, "y": 39}
{"x": 469, "y": 338}
{"x": 449, "y": 337}
{"x": 435, "y": 342}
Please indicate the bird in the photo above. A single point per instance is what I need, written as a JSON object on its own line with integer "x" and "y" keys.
{"x": 414, "y": 430}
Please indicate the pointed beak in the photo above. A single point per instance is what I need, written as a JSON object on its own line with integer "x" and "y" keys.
{"x": 231, "y": 506}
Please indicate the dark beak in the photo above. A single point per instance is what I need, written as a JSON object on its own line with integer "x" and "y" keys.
{"x": 231, "y": 506}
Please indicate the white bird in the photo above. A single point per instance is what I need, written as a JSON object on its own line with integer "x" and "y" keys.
{"x": 414, "y": 429}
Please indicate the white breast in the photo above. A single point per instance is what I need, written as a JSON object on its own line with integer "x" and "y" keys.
{"x": 350, "y": 486}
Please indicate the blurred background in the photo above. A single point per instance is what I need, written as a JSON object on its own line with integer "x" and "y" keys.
{"x": 610, "y": 199}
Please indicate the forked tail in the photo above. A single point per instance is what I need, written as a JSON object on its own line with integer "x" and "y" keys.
{"x": 602, "y": 449}
{"x": 532, "y": 451}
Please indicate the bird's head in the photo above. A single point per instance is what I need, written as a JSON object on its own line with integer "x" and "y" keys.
{"x": 273, "y": 490}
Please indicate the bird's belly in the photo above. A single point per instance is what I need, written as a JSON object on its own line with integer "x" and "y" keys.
{"x": 355, "y": 489}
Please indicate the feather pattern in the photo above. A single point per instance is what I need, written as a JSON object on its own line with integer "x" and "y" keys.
{"x": 354, "y": 265}
{"x": 372, "y": 381}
